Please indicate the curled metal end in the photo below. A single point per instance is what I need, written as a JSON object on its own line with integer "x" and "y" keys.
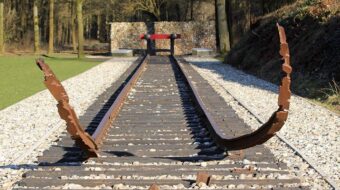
{"x": 66, "y": 112}
{"x": 278, "y": 118}
{"x": 284, "y": 92}
{"x": 52, "y": 83}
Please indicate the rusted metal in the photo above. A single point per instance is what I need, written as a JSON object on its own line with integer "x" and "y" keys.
{"x": 147, "y": 145}
{"x": 66, "y": 112}
{"x": 89, "y": 144}
{"x": 154, "y": 187}
{"x": 203, "y": 177}
{"x": 105, "y": 123}
{"x": 285, "y": 93}
{"x": 236, "y": 154}
{"x": 267, "y": 130}
{"x": 245, "y": 170}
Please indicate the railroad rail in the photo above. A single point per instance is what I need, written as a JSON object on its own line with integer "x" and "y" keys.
{"x": 90, "y": 144}
{"x": 162, "y": 127}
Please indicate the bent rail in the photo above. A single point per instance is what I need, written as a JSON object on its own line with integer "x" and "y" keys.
{"x": 66, "y": 112}
{"x": 267, "y": 130}
{"x": 89, "y": 144}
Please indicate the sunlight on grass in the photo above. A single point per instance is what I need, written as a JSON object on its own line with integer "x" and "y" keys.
{"x": 21, "y": 78}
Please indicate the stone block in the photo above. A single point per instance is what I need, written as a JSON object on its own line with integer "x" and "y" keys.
{"x": 202, "y": 51}
{"x": 122, "y": 53}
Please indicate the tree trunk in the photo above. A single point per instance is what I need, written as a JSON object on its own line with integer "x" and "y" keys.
{"x": 191, "y": 10}
{"x": 36, "y": 29}
{"x": 73, "y": 27}
{"x": 80, "y": 28}
{"x": 2, "y": 43}
{"x": 99, "y": 24}
{"x": 222, "y": 23}
{"x": 59, "y": 32}
{"x": 51, "y": 28}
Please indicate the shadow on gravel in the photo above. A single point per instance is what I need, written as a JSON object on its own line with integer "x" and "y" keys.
{"x": 19, "y": 166}
{"x": 120, "y": 153}
{"x": 105, "y": 105}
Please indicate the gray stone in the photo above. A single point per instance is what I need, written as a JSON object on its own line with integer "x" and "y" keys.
{"x": 202, "y": 51}
{"x": 122, "y": 53}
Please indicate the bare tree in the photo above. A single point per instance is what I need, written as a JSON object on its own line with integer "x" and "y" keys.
{"x": 80, "y": 28}
{"x": 152, "y": 7}
{"x": 51, "y": 27}
{"x": 223, "y": 29}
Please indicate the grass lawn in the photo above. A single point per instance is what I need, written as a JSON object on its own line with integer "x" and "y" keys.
{"x": 21, "y": 78}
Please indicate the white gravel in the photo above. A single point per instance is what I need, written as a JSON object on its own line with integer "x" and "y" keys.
{"x": 29, "y": 127}
{"x": 314, "y": 130}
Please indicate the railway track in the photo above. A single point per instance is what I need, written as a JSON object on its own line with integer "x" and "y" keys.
{"x": 161, "y": 126}
{"x": 159, "y": 137}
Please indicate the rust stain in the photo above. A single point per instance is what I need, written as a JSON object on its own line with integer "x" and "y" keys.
{"x": 249, "y": 170}
{"x": 236, "y": 155}
{"x": 203, "y": 177}
{"x": 285, "y": 93}
{"x": 154, "y": 187}
{"x": 66, "y": 112}
{"x": 274, "y": 123}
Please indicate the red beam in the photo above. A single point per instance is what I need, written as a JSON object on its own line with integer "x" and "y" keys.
{"x": 159, "y": 36}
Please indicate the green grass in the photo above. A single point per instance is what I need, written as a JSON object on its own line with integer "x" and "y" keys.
{"x": 21, "y": 78}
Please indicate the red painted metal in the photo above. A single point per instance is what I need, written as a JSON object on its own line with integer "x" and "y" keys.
{"x": 159, "y": 36}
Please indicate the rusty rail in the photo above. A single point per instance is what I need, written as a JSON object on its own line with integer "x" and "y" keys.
{"x": 104, "y": 125}
{"x": 89, "y": 144}
{"x": 66, "y": 112}
{"x": 267, "y": 130}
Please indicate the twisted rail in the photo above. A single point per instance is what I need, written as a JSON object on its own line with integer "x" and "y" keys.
{"x": 66, "y": 112}
{"x": 90, "y": 144}
{"x": 267, "y": 130}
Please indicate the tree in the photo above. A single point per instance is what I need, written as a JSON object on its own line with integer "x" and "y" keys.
{"x": 2, "y": 44}
{"x": 222, "y": 23}
{"x": 36, "y": 28}
{"x": 73, "y": 26}
{"x": 80, "y": 28}
{"x": 152, "y": 7}
{"x": 51, "y": 27}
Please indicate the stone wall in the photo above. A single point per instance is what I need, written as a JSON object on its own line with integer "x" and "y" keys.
{"x": 125, "y": 35}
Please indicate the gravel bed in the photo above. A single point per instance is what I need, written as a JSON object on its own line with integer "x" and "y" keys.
{"x": 30, "y": 126}
{"x": 314, "y": 130}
